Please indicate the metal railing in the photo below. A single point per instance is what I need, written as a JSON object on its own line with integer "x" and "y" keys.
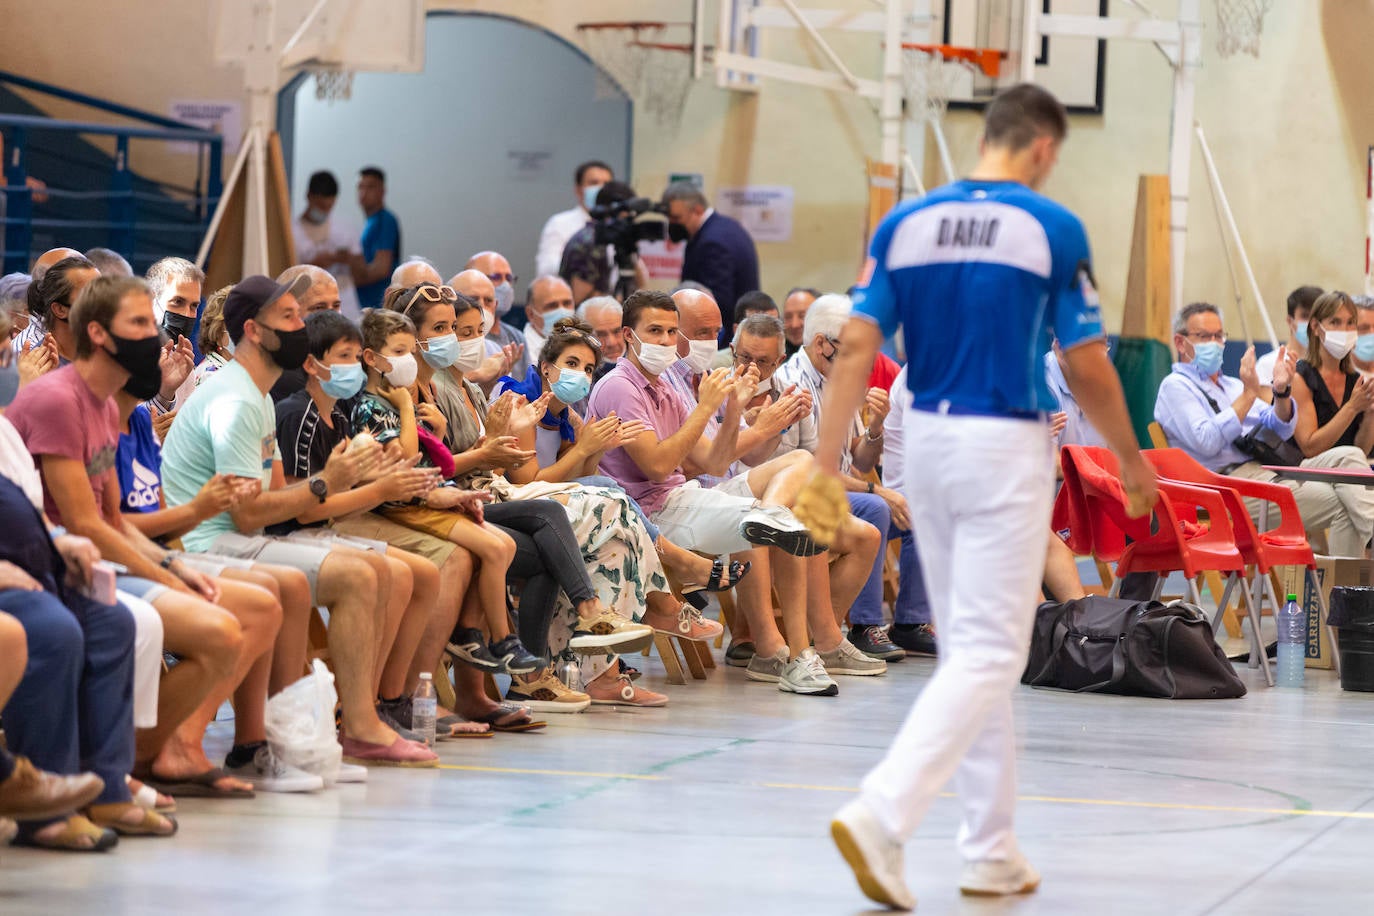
{"x": 122, "y": 225}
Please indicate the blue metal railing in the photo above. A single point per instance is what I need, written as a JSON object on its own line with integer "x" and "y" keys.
{"x": 163, "y": 206}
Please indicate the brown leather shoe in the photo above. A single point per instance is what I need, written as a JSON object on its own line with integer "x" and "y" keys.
{"x": 32, "y": 794}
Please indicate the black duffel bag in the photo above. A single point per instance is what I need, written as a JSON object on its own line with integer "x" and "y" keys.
{"x": 1134, "y": 648}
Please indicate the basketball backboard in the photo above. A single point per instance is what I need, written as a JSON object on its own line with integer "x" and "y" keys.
{"x": 1072, "y": 67}
{"x": 382, "y": 35}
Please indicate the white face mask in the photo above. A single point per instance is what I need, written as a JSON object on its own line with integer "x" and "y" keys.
{"x": 765, "y": 385}
{"x": 505, "y": 297}
{"x": 655, "y": 358}
{"x": 488, "y": 322}
{"x": 1339, "y": 343}
{"x": 403, "y": 370}
{"x": 700, "y": 355}
{"x": 471, "y": 352}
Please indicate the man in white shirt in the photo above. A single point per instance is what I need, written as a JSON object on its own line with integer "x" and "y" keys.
{"x": 587, "y": 180}
{"x": 1300, "y": 303}
{"x": 327, "y": 241}
{"x": 550, "y": 301}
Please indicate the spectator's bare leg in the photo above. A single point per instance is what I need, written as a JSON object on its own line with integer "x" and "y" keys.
{"x": 424, "y": 592}
{"x": 1061, "y": 572}
{"x": 350, "y": 589}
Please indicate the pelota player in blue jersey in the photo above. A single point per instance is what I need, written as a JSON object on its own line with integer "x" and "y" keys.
{"x": 980, "y": 275}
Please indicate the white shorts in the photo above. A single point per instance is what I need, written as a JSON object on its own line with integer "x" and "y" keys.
{"x": 706, "y": 520}
{"x": 147, "y": 657}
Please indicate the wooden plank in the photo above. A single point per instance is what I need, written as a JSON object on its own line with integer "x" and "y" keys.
{"x": 1147, "y": 312}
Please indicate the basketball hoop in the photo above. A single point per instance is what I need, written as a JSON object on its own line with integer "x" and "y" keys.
{"x": 1239, "y": 24}
{"x": 333, "y": 84}
{"x": 930, "y": 73}
{"x": 631, "y": 58}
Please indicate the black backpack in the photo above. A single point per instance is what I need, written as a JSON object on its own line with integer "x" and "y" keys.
{"x": 1134, "y": 648}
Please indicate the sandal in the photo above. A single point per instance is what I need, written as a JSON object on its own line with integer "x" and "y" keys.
{"x": 78, "y": 835}
{"x": 511, "y": 717}
{"x": 150, "y": 798}
{"x": 202, "y": 785}
{"x": 458, "y": 727}
{"x": 150, "y": 822}
{"x": 692, "y": 593}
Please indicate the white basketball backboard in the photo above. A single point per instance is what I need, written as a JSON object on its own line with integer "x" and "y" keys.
{"x": 385, "y": 35}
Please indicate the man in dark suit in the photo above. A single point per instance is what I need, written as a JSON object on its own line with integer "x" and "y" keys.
{"x": 720, "y": 254}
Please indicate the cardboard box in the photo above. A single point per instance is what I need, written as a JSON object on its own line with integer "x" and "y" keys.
{"x": 1331, "y": 572}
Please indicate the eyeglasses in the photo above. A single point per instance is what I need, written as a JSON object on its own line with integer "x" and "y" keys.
{"x": 765, "y": 365}
{"x": 430, "y": 294}
{"x": 497, "y": 278}
{"x": 1218, "y": 337}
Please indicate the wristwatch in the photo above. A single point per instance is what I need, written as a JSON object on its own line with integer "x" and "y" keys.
{"x": 319, "y": 488}
{"x": 168, "y": 559}
{"x": 1284, "y": 393}
{"x": 870, "y": 486}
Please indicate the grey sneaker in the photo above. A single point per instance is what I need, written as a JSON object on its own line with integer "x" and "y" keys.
{"x": 845, "y": 659}
{"x": 874, "y": 857}
{"x": 766, "y": 669}
{"x": 806, "y": 675}
{"x": 999, "y": 878}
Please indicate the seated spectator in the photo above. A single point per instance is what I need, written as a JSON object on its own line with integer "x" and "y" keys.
{"x": 50, "y": 302}
{"x": 1362, "y": 357}
{"x": 322, "y": 294}
{"x": 325, "y": 240}
{"x": 69, "y": 422}
{"x": 1076, "y": 430}
{"x": 25, "y": 790}
{"x": 109, "y": 263}
{"x": 30, "y": 360}
{"x": 1333, "y": 400}
{"x": 747, "y": 510}
{"x": 753, "y": 303}
{"x": 229, "y": 428}
{"x": 1190, "y": 408}
{"x": 588, "y": 180}
{"x": 794, "y": 307}
{"x": 882, "y": 507}
{"x": 1300, "y": 302}
{"x": 498, "y": 271}
{"x": 176, "y": 284}
{"x": 550, "y": 301}
{"x": 503, "y": 355}
{"x": 215, "y": 345}
{"x": 35, "y": 331}
{"x": 14, "y": 292}
{"x": 603, "y": 314}
{"x": 412, "y": 272}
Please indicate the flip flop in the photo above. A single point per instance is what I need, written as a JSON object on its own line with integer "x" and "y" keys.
{"x": 507, "y": 711}
{"x": 202, "y": 785}
{"x": 147, "y": 796}
{"x": 150, "y": 823}
{"x": 458, "y": 727}
{"x": 76, "y": 830}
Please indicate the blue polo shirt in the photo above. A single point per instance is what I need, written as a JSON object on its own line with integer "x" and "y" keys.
{"x": 381, "y": 232}
{"x": 979, "y": 274}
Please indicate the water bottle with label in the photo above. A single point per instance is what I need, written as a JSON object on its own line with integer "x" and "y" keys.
{"x": 1292, "y": 625}
{"x": 424, "y": 705}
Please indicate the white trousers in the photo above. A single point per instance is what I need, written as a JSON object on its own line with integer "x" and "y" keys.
{"x": 980, "y": 491}
{"x": 147, "y": 658}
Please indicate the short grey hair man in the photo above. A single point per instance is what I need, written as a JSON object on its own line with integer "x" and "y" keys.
{"x": 1188, "y": 311}
{"x": 606, "y": 305}
{"x": 826, "y": 317}
{"x": 763, "y": 326}
{"x": 606, "y": 316}
{"x": 687, "y": 192}
{"x": 324, "y": 288}
{"x": 109, "y": 263}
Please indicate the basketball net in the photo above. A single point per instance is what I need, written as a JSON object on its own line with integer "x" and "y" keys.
{"x": 1239, "y": 24}
{"x": 631, "y": 58}
{"x": 928, "y": 79}
{"x": 333, "y": 84}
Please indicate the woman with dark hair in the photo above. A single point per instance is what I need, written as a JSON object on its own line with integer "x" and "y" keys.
{"x": 1331, "y": 396}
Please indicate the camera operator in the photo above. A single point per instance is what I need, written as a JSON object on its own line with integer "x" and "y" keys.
{"x": 601, "y": 258}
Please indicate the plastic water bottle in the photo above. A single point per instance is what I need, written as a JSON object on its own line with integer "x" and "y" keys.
{"x": 424, "y": 705}
{"x": 1292, "y": 624}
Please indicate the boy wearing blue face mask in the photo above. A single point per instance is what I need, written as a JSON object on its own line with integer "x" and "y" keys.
{"x": 1300, "y": 303}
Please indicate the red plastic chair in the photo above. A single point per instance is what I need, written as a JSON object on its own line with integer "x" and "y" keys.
{"x": 1285, "y": 545}
{"x": 1168, "y": 540}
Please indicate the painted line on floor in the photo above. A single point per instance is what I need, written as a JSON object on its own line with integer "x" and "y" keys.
{"x": 805, "y": 787}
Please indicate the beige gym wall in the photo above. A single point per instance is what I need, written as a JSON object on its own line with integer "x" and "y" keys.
{"x": 1289, "y": 131}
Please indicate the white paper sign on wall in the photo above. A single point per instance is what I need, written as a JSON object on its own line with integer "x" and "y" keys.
{"x": 765, "y": 210}
{"x": 222, "y": 116}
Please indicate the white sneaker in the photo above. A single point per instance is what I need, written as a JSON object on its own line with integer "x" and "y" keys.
{"x": 875, "y": 859}
{"x": 806, "y": 675}
{"x": 351, "y": 772}
{"x": 774, "y": 526}
{"x": 990, "y": 878}
{"x": 268, "y": 773}
{"x": 847, "y": 659}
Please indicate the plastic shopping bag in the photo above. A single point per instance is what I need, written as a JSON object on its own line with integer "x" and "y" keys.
{"x": 300, "y": 724}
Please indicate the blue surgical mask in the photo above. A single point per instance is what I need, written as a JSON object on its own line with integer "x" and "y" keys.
{"x": 572, "y": 386}
{"x": 1300, "y": 334}
{"x": 440, "y": 352}
{"x": 589, "y": 195}
{"x": 345, "y": 380}
{"x": 552, "y": 318}
{"x": 1364, "y": 348}
{"x": 1207, "y": 357}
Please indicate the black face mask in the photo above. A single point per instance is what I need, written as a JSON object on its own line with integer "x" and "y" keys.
{"x": 677, "y": 232}
{"x": 141, "y": 359}
{"x": 177, "y": 325}
{"x": 293, "y": 348}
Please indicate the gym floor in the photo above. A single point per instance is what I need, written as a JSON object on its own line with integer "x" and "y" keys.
{"x": 720, "y": 804}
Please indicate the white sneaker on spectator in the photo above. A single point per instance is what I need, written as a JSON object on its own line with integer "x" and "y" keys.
{"x": 806, "y": 675}
{"x": 1001, "y": 878}
{"x": 268, "y": 773}
{"x": 875, "y": 858}
{"x": 351, "y": 772}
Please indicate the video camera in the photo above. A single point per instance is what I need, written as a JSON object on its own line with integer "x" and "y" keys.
{"x": 626, "y": 223}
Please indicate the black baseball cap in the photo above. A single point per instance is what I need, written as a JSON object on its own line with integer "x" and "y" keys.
{"x": 253, "y": 294}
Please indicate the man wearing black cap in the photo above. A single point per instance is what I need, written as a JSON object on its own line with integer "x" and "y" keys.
{"x": 229, "y": 427}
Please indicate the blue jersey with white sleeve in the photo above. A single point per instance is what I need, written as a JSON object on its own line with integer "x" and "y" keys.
{"x": 980, "y": 275}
